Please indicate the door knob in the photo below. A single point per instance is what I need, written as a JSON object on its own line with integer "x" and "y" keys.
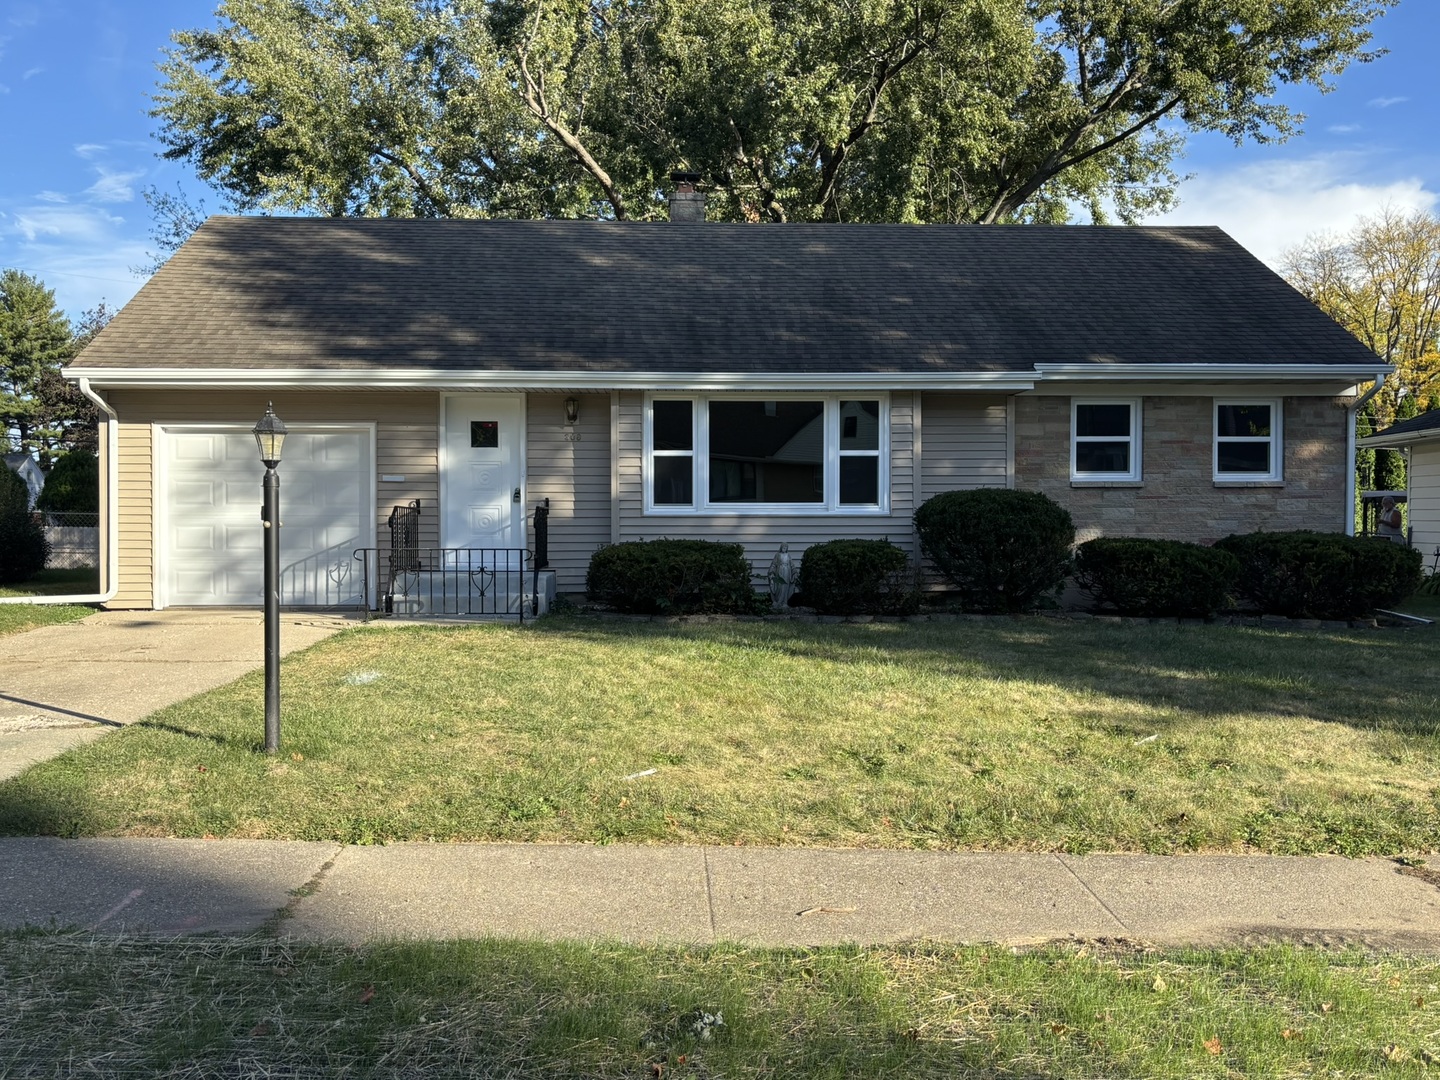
{"x": 515, "y": 496}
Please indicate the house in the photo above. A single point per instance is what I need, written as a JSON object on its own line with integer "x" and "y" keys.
{"x": 28, "y": 469}
{"x": 1420, "y": 438}
{"x": 763, "y": 384}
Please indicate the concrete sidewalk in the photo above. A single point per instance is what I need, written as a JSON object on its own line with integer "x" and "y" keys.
{"x": 791, "y": 896}
{"x": 64, "y": 685}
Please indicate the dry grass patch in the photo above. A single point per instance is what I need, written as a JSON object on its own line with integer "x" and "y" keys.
{"x": 1032, "y": 734}
{"x": 255, "y": 1007}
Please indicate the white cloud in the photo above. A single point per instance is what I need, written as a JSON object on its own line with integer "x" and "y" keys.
{"x": 71, "y": 224}
{"x": 31, "y": 74}
{"x": 1385, "y": 102}
{"x": 1273, "y": 207}
{"x": 53, "y": 197}
{"x": 114, "y": 187}
{"x": 89, "y": 150}
{"x": 4, "y": 89}
{"x": 1344, "y": 129}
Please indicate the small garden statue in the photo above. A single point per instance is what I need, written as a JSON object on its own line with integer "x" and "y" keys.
{"x": 782, "y": 578}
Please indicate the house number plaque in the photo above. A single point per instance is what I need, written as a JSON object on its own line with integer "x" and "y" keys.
{"x": 485, "y": 434}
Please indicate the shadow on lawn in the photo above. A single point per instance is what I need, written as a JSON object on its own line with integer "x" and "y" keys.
{"x": 1386, "y": 680}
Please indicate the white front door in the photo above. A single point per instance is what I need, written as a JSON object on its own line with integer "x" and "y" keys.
{"x": 481, "y": 480}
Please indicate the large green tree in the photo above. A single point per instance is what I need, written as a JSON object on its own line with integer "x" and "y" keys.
{"x": 40, "y": 411}
{"x": 35, "y": 338}
{"x": 858, "y": 110}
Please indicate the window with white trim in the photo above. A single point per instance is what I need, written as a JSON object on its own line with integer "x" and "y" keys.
{"x": 1247, "y": 440}
{"x": 1105, "y": 439}
{"x": 801, "y": 454}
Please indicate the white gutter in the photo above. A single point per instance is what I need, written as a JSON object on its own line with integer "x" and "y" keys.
{"x": 1098, "y": 372}
{"x": 112, "y": 517}
{"x": 439, "y": 379}
{"x": 1354, "y": 410}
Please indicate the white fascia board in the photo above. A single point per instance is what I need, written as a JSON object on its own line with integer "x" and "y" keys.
{"x": 1408, "y": 438}
{"x": 431, "y": 379}
{"x": 1101, "y": 372}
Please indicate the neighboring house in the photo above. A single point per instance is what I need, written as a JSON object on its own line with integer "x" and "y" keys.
{"x": 756, "y": 383}
{"x": 1420, "y": 437}
{"x": 28, "y": 470}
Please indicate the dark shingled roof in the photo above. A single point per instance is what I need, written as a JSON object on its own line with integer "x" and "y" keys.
{"x": 1429, "y": 421}
{"x": 258, "y": 292}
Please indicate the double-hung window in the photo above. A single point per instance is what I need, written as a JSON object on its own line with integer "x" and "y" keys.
{"x": 1247, "y": 440}
{"x": 796, "y": 454}
{"x": 1105, "y": 439}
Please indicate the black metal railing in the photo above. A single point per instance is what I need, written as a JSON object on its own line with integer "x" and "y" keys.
{"x": 495, "y": 582}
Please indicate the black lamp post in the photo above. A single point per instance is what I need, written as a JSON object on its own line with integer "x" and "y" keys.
{"x": 270, "y": 437}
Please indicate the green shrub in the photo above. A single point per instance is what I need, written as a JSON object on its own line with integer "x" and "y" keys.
{"x": 1002, "y": 550}
{"x": 1155, "y": 577}
{"x": 72, "y": 486}
{"x": 672, "y": 577}
{"x": 1322, "y": 575}
{"x": 23, "y": 547}
{"x": 858, "y": 577}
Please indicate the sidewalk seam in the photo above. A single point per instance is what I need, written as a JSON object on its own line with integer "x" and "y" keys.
{"x": 1086, "y": 886}
{"x": 709, "y": 891}
{"x": 310, "y": 888}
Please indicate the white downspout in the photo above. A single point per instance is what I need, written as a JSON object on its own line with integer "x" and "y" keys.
{"x": 111, "y": 556}
{"x": 1354, "y": 410}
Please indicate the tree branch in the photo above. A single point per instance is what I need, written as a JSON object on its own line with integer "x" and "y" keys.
{"x": 532, "y": 93}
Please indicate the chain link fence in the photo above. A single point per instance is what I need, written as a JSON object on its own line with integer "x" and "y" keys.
{"x": 74, "y": 539}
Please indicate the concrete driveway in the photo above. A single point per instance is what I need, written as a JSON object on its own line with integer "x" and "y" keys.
{"x": 64, "y": 685}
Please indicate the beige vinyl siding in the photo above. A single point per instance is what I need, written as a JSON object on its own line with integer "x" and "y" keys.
{"x": 1424, "y": 501}
{"x": 965, "y": 443}
{"x": 137, "y": 517}
{"x": 762, "y": 535}
{"x": 405, "y": 441}
{"x": 574, "y": 474}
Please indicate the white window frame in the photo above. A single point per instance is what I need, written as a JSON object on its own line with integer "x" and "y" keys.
{"x": 1135, "y": 472}
{"x": 700, "y": 457}
{"x": 1276, "y": 439}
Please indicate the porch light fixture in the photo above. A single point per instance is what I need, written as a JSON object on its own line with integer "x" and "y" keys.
{"x": 270, "y": 437}
{"x": 572, "y": 410}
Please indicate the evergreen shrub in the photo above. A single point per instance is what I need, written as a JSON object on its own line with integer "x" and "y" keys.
{"x": 1002, "y": 550}
{"x": 1156, "y": 578}
{"x": 1318, "y": 575}
{"x": 858, "y": 577}
{"x": 673, "y": 577}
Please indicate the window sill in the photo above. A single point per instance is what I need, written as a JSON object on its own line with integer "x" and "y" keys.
{"x": 1107, "y": 483}
{"x": 1249, "y": 483}
{"x": 767, "y": 511}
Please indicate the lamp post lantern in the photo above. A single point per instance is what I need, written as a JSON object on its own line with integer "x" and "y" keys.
{"x": 270, "y": 437}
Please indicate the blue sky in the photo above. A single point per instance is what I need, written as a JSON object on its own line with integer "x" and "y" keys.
{"x": 75, "y": 75}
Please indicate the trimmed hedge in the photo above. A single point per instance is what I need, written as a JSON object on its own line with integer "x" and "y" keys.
{"x": 672, "y": 577}
{"x": 858, "y": 577}
{"x": 1322, "y": 575}
{"x": 1002, "y": 550}
{"x": 23, "y": 547}
{"x": 1156, "y": 577}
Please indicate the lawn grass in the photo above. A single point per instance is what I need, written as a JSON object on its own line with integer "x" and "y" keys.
{"x": 1031, "y": 734}
{"x": 256, "y": 1007}
{"x": 17, "y": 617}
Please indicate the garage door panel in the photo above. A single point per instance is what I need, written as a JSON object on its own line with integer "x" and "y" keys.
{"x": 214, "y": 538}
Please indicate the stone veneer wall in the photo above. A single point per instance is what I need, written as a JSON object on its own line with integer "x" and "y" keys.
{"x": 1178, "y": 499}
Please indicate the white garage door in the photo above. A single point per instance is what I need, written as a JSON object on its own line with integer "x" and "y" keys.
{"x": 211, "y": 548}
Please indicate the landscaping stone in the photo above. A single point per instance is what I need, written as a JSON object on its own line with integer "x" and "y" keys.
{"x": 917, "y": 618}
{"x": 860, "y": 618}
{"x": 1305, "y": 624}
{"x": 830, "y": 618}
{"x": 1335, "y": 624}
{"x": 1275, "y": 621}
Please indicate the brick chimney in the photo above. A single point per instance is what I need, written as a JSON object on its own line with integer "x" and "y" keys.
{"x": 687, "y": 205}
